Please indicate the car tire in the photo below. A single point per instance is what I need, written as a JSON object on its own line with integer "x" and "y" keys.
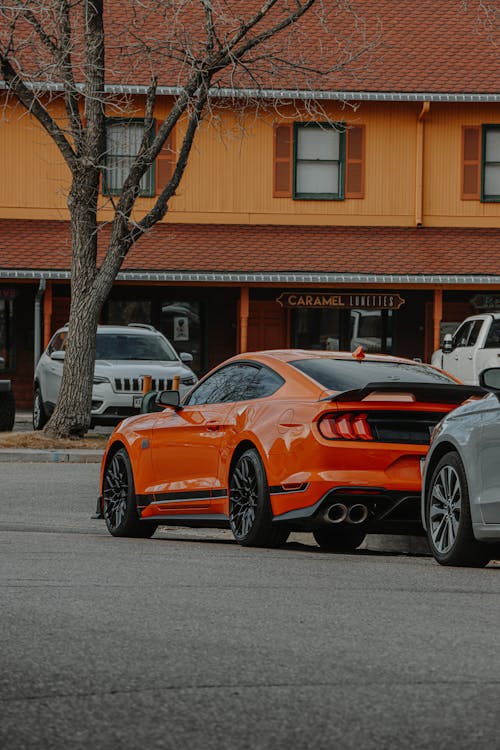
{"x": 7, "y": 411}
{"x": 40, "y": 418}
{"x": 250, "y": 516}
{"x": 119, "y": 504}
{"x": 339, "y": 539}
{"x": 448, "y": 517}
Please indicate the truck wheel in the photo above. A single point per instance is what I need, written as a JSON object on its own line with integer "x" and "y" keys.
{"x": 7, "y": 411}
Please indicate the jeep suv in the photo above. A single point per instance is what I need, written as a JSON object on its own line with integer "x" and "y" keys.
{"x": 124, "y": 355}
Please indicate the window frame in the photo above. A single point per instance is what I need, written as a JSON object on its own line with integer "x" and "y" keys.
{"x": 148, "y": 192}
{"x": 487, "y": 198}
{"x": 340, "y": 128}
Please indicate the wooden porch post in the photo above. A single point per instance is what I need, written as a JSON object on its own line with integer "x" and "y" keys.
{"x": 437, "y": 317}
{"x": 243, "y": 322}
{"x": 47, "y": 314}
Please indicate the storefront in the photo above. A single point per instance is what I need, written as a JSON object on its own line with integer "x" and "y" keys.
{"x": 200, "y": 287}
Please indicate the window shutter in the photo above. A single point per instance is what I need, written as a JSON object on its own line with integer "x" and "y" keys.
{"x": 355, "y": 162}
{"x": 282, "y": 187}
{"x": 471, "y": 163}
{"x": 165, "y": 161}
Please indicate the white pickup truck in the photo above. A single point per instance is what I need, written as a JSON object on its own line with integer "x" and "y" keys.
{"x": 474, "y": 347}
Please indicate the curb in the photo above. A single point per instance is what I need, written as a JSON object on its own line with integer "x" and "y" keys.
{"x": 31, "y": 455}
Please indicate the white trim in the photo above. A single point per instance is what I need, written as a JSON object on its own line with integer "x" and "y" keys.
{"x": 301, "y": 94}
{"x": 264, "y": 277}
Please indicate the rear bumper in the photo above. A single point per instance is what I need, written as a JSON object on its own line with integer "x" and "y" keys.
{"x": 387, "y": 511}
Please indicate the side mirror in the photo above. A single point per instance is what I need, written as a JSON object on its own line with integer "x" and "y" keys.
{"x": 186, "y": 357}
{"x": 447, "y": 343}
{"x": 58, "y": 355}
{"x": 490, "y": 379}
{"x": 2, "y": 361}
{"x": 168, "y": 398}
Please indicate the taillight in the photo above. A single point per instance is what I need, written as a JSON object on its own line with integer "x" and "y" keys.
{"x": 348, "y": 426}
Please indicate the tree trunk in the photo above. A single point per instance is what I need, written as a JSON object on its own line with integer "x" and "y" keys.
{"x": 71, "y": 417}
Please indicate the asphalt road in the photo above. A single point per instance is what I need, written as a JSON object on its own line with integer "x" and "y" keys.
{"x": 190, "y": 641}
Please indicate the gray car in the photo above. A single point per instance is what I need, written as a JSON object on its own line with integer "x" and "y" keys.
{"x": 124, "y": 356}
{"x": 461, "y": 481}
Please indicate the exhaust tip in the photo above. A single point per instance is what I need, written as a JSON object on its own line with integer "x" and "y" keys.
{"x": 357, "y": 513}
{"x": 336, "y": 513}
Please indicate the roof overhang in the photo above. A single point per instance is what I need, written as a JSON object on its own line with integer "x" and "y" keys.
{"x": 287, "y": 94}
{"x": 260, "y": 277}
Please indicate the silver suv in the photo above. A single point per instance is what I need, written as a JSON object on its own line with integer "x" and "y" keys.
{"x": 124, "y": 355}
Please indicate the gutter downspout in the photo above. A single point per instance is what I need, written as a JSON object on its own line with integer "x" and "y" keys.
{"x": 38, "y": 320}
{"x": 419, "y": 164}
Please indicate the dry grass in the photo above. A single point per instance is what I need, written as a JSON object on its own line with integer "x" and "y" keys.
{"x": 39, "y": 440}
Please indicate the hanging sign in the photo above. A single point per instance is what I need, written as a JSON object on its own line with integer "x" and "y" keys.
{"x": 364, "y": 301}
{"x": 7, "y": 293}
{"x": 486, "y": 302}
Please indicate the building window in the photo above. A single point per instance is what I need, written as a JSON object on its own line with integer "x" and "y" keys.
{"x": 123, "y": 140}
{"x": 318, "y": 161}
{"x": 491, "y": 163}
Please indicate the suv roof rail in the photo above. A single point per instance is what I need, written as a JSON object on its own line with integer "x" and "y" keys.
{"x": 142, "y": 325}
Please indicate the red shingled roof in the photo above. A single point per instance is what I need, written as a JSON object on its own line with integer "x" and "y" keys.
{"x": 418, "y": 46}
{"x": 45, "y": 245}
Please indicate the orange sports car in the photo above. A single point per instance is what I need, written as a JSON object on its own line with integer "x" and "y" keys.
{"x": 279, "y": 441}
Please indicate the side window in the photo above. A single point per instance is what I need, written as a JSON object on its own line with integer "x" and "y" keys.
{"x": 461, "y": 335}
{"x": 265, "y": 383}
{"x": 228, "y": 384}
{"x": 474, "y": 332}
{"x": 493, "y": 337}
{"x": 57, "y": 343}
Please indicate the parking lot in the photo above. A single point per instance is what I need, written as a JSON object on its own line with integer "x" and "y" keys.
{"x": 189, "y": 640}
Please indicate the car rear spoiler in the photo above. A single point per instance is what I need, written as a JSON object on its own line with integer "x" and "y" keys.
{"x": 443, "y": 393}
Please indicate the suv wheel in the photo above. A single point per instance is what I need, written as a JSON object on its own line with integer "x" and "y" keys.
{"x": 39, "y": 414}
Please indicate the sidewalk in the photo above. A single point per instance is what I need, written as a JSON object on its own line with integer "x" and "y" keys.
{"x": 23, "y": 423}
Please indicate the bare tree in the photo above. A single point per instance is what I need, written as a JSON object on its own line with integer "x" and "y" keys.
{"x": 206, "y": 50}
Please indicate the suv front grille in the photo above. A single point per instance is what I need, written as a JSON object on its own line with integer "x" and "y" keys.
{"x": 134, "y": 385}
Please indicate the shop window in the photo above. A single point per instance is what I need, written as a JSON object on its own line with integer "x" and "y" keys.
{"x": 318, "y": 161}
{"x": 343, "y": 330}
{"x": 121, "y": 312}
{"x": 123, "y": 141}
{"x": 180, "y": 323}
{"x": 371, "y": 329}
{"x": 6, "y": 334}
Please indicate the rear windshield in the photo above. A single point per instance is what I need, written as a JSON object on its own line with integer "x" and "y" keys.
{"x": 133, "y": 346}
{"x": 347, "y": 374}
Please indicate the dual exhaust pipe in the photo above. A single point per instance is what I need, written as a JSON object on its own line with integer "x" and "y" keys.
{"x": 338, "y": 513}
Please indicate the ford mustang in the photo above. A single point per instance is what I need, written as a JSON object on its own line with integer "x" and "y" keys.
{"x": 276, "y": 441}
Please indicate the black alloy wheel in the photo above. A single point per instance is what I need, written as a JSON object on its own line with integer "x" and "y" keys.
{"x": 119, "y": 505}
{"x": 448, "y": 517}
{"x": 250, "y": 515}
{"x": 340, "y": 539}
{"x": 40, "y": 418}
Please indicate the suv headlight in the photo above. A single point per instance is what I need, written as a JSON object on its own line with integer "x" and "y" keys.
{"x": 100, "y": 379}
{"x": 190, "y": 380}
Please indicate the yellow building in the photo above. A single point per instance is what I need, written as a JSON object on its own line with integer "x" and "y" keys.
{"x": 374, "y": 223}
